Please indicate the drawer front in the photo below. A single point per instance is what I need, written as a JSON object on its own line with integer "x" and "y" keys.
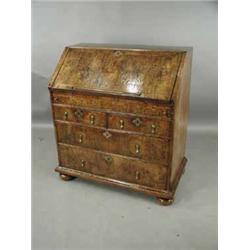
{"x": 110, "y": 103}
{"x": 80, "y": 115}
{"x": 142, "y": 147}
{"x": 150, "y": 126}
{"x": 113, "y": 166}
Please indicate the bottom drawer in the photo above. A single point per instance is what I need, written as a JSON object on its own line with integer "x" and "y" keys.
{"x": 112, "y": 166}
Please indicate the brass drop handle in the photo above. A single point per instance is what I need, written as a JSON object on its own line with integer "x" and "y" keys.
{"x": 137, "y": 122}
{"x": 79, "y": 113}
{"x": 108, "y": 159}
{"x": 92, "y": 119}
{"x": 137, "y": 148}
{"x": 66, "y": 115}
{"x": 83, "y": 163}
{"x": 137, "y": 175}
{"x": 121, "y": 124}
{"x": 153, "y": 128}
{"x": 81, "y": 139}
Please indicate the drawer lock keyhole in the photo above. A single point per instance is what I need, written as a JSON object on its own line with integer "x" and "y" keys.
{"x": 79, "y": 113}
{"x": 108, "y": 159}
{"x": 137, "y": 122}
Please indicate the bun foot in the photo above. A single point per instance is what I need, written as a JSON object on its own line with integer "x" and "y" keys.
{"x": 66, "y": 177}
{"x": 164, "y": 202}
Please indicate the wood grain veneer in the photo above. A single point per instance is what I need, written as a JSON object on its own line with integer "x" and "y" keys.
{"x": 121, "y": 116}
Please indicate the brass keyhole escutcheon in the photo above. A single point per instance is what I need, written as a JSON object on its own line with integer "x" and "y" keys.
{"x": 83, "y": 163}
{"x": 108, "y": 159}
{"x": 107, "y": 134}
{"x": 79, "y": 113}
{"x": 137, "y": 148}
{"x": 121, "y": 124}
{"x": 153, "y": 128}
{"x": 137, "y": 175}
{"x": 92, "y": 119}
{"x": 118, "y": 53}
{"x": 137, "y": 122}
{"x": 66, "y": 114}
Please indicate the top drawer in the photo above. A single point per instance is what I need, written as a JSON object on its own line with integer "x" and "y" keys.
{"x": 79, "y": 115}
{"x": 157, "y": 126}
{"x": 110, "y": 103}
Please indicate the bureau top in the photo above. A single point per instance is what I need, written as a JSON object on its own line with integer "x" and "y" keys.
{"x": 140, "y": 72}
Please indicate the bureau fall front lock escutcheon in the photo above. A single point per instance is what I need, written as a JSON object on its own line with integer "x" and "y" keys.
{"x": 120, "y": 116}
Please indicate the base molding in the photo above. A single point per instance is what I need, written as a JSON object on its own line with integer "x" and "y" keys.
{"x": 163, "y": 197}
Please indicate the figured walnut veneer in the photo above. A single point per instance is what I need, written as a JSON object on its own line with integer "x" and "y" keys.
{"x": 120, "y": 116}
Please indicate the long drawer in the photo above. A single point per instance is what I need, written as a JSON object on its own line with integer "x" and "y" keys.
{"x": 150, "y": 149}
{"x": 112, "y": 166}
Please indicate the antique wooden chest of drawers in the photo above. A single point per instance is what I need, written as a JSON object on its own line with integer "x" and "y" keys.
{"x": 120, "y": 116}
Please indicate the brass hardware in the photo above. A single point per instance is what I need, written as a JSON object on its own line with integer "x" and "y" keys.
{"x": 121, "y": 124}
{"x": 153, "y": 128}
{"x": 66, "y": 115}
{"x": 118, "y": 53}
{"x": 83, "y": 163}
{"x": 107, "y": 134}
{"x": 108, "y": 159}
{"x": 79, "y": 113}
{"x": 137, "y": 122}
{"x": 92, "y": 119}
{"x": 137, "y": 175}
{"x": 137, "y": 148}
{"x": 81, "y": 139}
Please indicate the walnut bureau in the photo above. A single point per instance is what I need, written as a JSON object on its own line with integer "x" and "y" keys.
{"x": 120, "y": 116}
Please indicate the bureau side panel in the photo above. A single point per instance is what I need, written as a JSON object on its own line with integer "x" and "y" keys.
{"x": 180, "y": 118}
{"x": 54, "y": 124}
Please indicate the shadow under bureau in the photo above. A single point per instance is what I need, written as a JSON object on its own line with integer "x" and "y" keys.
{"x": 120, "y": 116}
